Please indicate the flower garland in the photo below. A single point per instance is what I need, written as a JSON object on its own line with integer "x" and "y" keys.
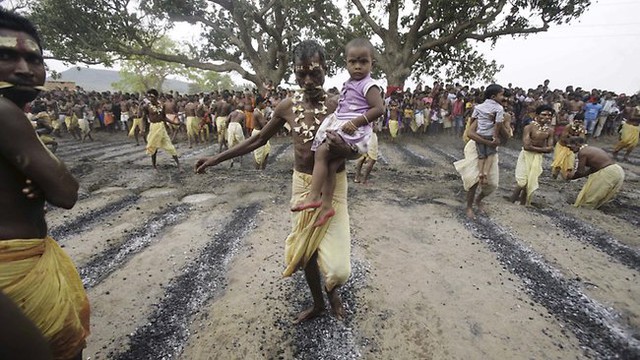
{"x": 543, "y": 128}
{"x": 577, "y": 129}
{"x": 305, "y": 131}
{"x": 155, "y": 109}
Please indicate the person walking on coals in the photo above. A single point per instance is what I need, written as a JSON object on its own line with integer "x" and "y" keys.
{"x": 488, "y": 114}
{"x": 360, "y": 103}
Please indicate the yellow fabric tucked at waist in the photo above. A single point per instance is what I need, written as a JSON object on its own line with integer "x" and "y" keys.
{"x": 332, "y": 241}
{"x": 43, "y": 281}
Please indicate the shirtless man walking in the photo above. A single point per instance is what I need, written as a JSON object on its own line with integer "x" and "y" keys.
{"x": 537, "y": 139}
{"x": 193, "y": 124}
{"x": 221, "y": 113}
{"x": 260, "y": 154}
{"x": 35, "y": 272}
{"x": 323, "y": 249}
{"x": 171, "y": 112}
{"x": 158, "y": 137}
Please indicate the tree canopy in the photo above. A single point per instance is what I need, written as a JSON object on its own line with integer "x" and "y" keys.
{"x": 255, "y": 37}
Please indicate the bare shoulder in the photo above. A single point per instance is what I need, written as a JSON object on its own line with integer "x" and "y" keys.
{"x": 8, "y": 108}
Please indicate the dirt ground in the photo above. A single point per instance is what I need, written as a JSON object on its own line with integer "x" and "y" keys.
{"x": 189, "y": 266}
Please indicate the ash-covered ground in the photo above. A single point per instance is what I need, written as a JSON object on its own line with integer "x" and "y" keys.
{"x": 185, "y": 266}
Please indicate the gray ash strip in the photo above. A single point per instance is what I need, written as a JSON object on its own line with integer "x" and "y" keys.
{"x": 442, "y": 153}
{"x": 594, "y": 326}
{"x": 200, "y": 151}
{"x": 167, "y": 328}
{"x": 598, "y": 238}
{"x": 414, "y": 158}
{"x": 382, "y": 159}
{"x": 113, "y": 154}
{"x": 623, "y": 210}
{"x": 90, "y": 218}
{"x": 325, "y": 337}
{"x": 89, "y": 148}
{"x": 102, "y": 265}
{"x": 275, "y": 154}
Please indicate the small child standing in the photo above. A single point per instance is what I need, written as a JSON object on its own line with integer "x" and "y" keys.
{"x": 360, "y": 104}
{"x": 488, "y": 114}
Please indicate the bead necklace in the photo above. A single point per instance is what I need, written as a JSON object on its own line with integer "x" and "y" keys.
{"x": 305, "y": 131}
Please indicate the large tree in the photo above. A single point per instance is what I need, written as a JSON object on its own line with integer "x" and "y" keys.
{"x": 426, "y": 36}
{"x": 251, "y": 37}
{"x": 254, "y": 37}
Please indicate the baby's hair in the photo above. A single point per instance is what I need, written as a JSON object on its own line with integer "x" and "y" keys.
{"x": 492, "y": 90}
{"x": 361, "y": 42}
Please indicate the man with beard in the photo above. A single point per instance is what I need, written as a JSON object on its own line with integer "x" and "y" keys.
{"x": 319, "y": 249}
{"x": 34, "y": 271}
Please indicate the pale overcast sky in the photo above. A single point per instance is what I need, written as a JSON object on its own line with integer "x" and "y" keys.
{"x": 599, "y": 50}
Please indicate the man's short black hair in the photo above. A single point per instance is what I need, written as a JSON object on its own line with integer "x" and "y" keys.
{"x": 13, "y": 21}
{"x": 307, "y": 48}
{"x": 545, "y": 107}
{"x": 153, "y": 92}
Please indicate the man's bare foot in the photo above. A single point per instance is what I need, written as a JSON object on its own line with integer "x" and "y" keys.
{"x": 307, "y": 205}
{"x": 308, "y": 314}
{"x": 324, "y": 216}
{"x": 470, "y": 214}
{"x": 337, "y": 309}
{"x": 481, "y": 208}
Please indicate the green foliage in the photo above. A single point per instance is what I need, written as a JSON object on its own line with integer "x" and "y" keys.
{"x": 207, "y": 81}
{"x": 140, "y": 73}
{"x": 255, "y": 37}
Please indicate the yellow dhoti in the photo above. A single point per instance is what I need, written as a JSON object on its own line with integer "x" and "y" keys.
{"x": 221, "y": 126}
{"x": 372, "y": 147}
{"x": 528, "y": 170}
{"x": 601, "y": 186}
{"x": 393, "y": 128}
{"x": 261, "y": 153}
{"x": 159, "y": 139}
{"x": 71, "y": 122}
{"x": 465, "y": 133}
{"x": 468, "y": 170}
{"x": 42, "y": 280}
{"x": 563, "y": 158}
{"x": 84, "y": 126}
{"x": 629, "y": 135}
{"x": 137, "y": 123}
{"x": 234, "y": 134}
{"x": 332, "y": 241}
{"x": 193, "y": 126}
